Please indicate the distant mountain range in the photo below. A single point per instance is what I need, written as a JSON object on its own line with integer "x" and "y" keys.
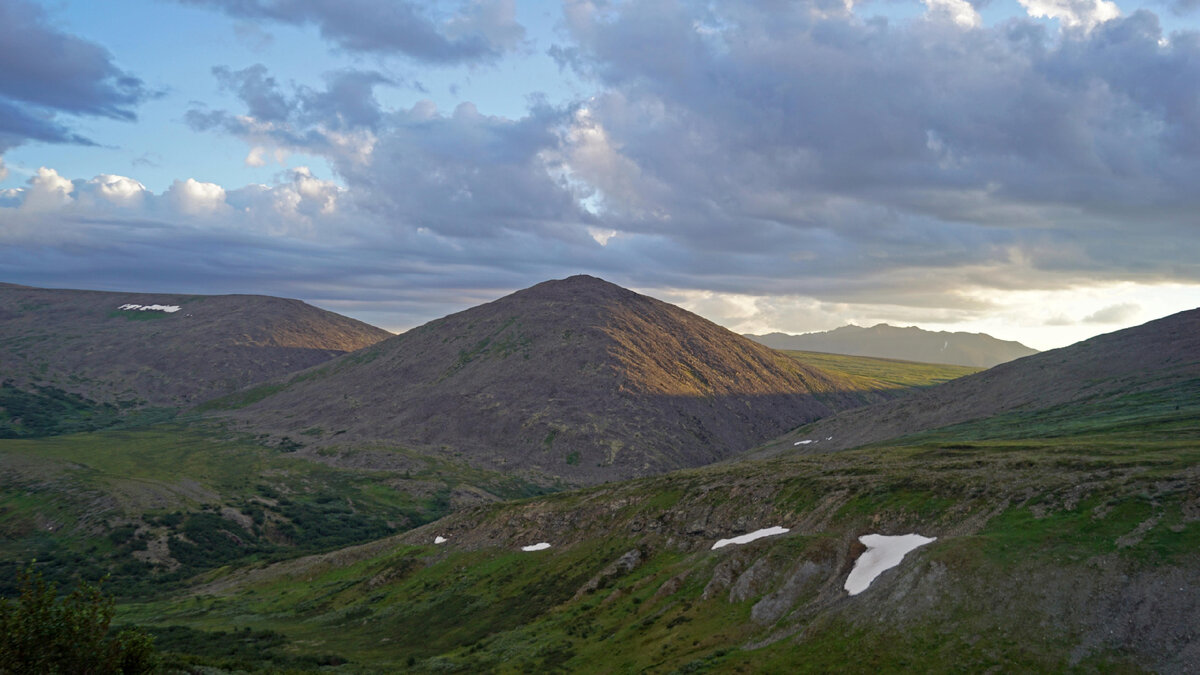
{"x": 1156, "y": 360}
{"x": 907, "y": 343}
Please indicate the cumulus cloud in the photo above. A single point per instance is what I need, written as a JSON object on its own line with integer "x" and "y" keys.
{"x": 193, "y": 197}
{"x": 46, "y": 72}
{"x": 1114, "y": 314}
{"x": 47, "y": 190}
{"x": 479, "y": 31}
{"x": 119, "y": 189}
{"x": 960, "y": 12}
{"x": 1084, "y": 14}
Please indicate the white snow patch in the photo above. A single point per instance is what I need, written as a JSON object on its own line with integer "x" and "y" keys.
{"x": 883, "y": 553}
{"x": 439, "y": 539}
{"x": 151, "y": 308}
{"x": 747, "y": 538}
{"x": 536, "y": 547}
{"x": 805, "y": 442}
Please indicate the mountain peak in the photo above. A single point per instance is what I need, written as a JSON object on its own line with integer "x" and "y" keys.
{"x": 577, "y": 377}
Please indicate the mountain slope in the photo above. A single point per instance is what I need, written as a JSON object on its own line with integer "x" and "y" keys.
{"x": 908, "y": 343}
{"x": 576, "y": 378}
{"x": 92, "y": 350}
{"x": 1091, "y": 379}
{"x": 1050, "y": 556}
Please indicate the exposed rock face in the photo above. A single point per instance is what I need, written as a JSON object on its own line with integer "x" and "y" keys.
{"x": 576, "y": 378}
{"x": 83, "y": 342}
{"x": 908, "y": 343}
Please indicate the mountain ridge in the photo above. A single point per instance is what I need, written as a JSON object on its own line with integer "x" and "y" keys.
{"x": 1160, "y": 355}
{"x": 908, "y": 343}
{"x": 104, "y": 349}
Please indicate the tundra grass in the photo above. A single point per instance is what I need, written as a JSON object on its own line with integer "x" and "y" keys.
{"x": 1047, "y": 509}
{"x": 196, "y": 495}
{"x": 878, "y": 373}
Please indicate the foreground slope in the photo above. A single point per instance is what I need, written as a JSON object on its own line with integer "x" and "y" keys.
{"x": 1076, "y": 553}
{"x": 576, "y": 378}
{"x": 908, "y": 343}
{"x": 86, "y": 351}
{"x": 1098, "y": 378}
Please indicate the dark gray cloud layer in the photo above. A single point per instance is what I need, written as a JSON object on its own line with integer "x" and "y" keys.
{"x": 478, "y": 32}
{"x": 45, "y": 72}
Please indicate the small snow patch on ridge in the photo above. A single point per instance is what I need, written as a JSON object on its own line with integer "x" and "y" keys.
{"x": 536, "y": 547}
{"x": 150, "y": 308}
{"x": 747, "y": 538}
{"x": 883, "y": 553}
{"x": 804, "y": 442}
{"x": 439, "y": 539}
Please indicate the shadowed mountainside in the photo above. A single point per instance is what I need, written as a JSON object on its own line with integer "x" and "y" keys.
{"x": 79, "y": 348}
{"x": 908, "y": 343}
{"x": 575, "y": 378}
{"x": 1159, "y": 360}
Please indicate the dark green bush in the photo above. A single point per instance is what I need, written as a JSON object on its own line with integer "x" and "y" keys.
{"x": 41, "y": 632}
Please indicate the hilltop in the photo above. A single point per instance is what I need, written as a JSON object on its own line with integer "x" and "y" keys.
{"x": 95, "y": 355}
{"x": 1100, "y": 378}
{"x": 907, "y": 343}
{"x": 575, "y": 378}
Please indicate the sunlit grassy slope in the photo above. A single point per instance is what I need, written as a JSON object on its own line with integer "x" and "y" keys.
{"x": 153, "y": 506}
{"x": 874, "y": 373}
{"x": 1074, "y": 548}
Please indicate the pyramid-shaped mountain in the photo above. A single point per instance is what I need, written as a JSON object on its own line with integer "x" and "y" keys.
{"x": 577, "y": 378}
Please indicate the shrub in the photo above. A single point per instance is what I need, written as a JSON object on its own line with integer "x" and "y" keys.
{"x": 41, "y": 632}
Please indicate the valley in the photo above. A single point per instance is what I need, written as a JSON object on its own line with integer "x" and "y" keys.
{"x": 372, "y": 512}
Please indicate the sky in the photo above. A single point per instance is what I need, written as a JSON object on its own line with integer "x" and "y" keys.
{"x": 1025, "y": 168}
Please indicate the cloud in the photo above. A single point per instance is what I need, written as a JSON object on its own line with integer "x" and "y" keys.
{"x": 47, "y": 191}
{"x": 1084, "y": 14}
{"x": 480, "y": 31}
{"x": 45, "y": 72}
{"x": 119, "y": 189}
{"x": 1114, "y": 314}
{"x": 801, "y": 162}
{"x": 193, "y": 197}
{"x": 337, "y": 121}
{"x": 3, "y": 170}
{"x": 960, "y": 12}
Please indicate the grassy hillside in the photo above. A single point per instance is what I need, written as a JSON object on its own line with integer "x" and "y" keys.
{"x": 75, "y": 360}
{"x": 872, "y": 373}
{"x": 154, "y": 506}
{"x": 1052, "y": 554}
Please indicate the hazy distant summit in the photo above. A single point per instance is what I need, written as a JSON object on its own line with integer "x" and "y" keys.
{"x": 907, "y": 343}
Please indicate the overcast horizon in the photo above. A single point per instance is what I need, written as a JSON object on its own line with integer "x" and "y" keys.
{"x": 1022, "y": 168}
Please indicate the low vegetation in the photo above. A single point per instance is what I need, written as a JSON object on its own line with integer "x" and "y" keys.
{"x": 42, "y": 632}
{"x": 1033, "y": 530}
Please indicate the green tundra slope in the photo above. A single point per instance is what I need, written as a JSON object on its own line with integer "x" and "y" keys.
{"x": 152, "y": 507}
{"x": 1076, "y": 551}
